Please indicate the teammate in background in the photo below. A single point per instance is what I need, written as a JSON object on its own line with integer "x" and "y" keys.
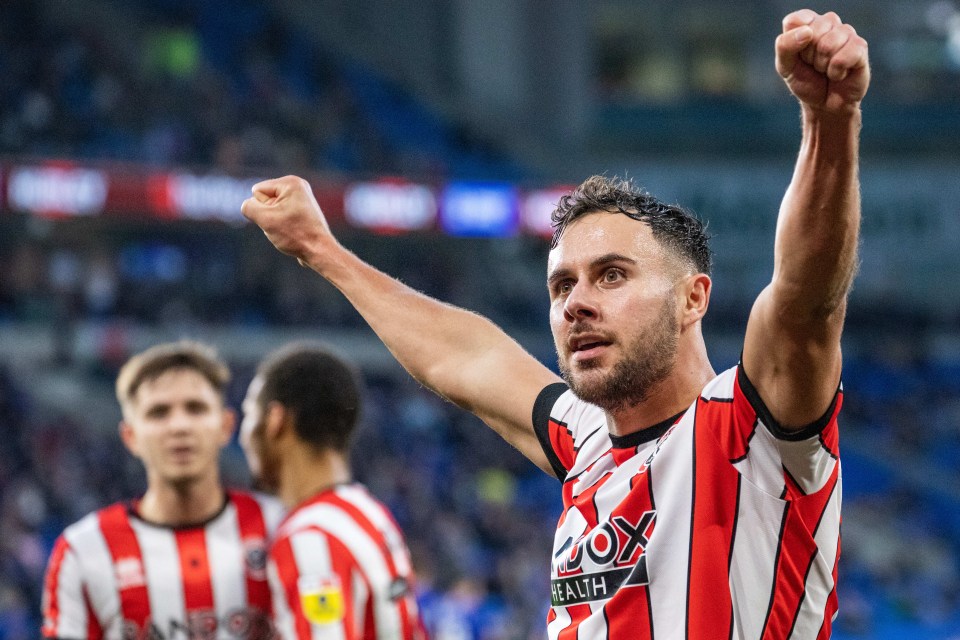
{"x": 339, "y": 567}
{"x": 696, "y": 505}
{"x": 188, "y": 559}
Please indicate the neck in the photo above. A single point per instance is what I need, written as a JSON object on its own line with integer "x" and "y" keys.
{"x": 671, "y": 396}
{"x": 306, "y": 472}
{"x": 171, "y": 504}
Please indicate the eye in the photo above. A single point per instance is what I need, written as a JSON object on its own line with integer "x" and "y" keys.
{"x": 157, "y": 412}
{"x": 612, "y": 275}
{"x": 196, "y": 407}
{"x": 561, "y": 288}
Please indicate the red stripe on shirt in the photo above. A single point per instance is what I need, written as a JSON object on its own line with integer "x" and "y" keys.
{"x": 797, "y": 551}
{"x": 628, "y": 612}
{"x": 51, "y": 616}
{"x": 344, "y": 565}
{"x": 194, "y": 569}
{"x": 732, "y": 428}
{"x": 578, "y": 613}
{"x": 377, "y": 536}
{"x": 832, "y": 603}
{"x": 253, "y": 533}
{"x": 585, "y": 503}
{"x": 562, "y": 440}
{"x": 714, "y": 520}
{"x": 831, "y": 434}
{"x": 628, "y": 615}
{"x": 124, "y": 548}
{"x": 286, "y": 563}
{"x": 94, "y": 630}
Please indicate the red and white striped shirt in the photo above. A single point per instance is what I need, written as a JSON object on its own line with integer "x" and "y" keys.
{"x": 339, "y": 569}
{"x": 713, "y": 524}
{"x": 113, "y": 575}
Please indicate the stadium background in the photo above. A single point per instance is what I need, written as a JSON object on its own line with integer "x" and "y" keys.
{"x": 436, "y": 134}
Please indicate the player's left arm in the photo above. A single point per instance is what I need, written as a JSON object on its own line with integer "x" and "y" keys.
{"x": 792, "y": 346}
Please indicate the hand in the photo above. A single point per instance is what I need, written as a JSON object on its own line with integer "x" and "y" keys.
{"x": 287, "y": 212}
{"x": 823, "y": 61}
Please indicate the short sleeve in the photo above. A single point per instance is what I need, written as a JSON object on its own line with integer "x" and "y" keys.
{"x": 554, "y": 436}
{"x": 66, "y": 609}
{"x": 780, "y": 462}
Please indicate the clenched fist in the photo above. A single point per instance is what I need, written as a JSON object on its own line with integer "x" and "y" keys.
{"x": 286, "y": 211}
{"x": 823, "y": 61}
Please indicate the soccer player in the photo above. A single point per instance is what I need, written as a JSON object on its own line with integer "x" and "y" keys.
{"x": 339, "y": 567}
{"x": 188, "y": 558}
{"x": 697, "y": 505}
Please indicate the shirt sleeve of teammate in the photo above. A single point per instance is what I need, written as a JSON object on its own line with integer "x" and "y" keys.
{"x": 66, "y": 608}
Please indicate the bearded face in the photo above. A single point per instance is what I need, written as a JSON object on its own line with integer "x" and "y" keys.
{"x": 613, "y": 310}
{"x": 648, "y": 354}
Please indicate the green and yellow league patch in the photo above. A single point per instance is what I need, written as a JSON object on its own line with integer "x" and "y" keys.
{"x": 321, "y": 599}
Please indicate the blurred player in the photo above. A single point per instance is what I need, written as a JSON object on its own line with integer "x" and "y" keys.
{"x": 339, "y": 567}
{"x": 188, "y": 559}
{"x": 696, "y": 505}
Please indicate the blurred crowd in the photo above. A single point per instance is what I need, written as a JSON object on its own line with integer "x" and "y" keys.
{"x": 185, "y": 274}
{"x": 223, "y": 84}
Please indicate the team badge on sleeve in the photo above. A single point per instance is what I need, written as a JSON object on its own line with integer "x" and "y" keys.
{"x": 321, "y": 599}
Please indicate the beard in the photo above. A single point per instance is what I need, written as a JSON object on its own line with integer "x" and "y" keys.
{"x": 649, "y": 359}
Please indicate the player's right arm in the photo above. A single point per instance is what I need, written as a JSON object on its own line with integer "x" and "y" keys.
{"x": 458, "y": 354}
{"x": 66, "y": 609}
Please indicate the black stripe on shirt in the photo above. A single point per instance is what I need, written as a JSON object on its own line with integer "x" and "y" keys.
{"x": 541, "y": 424}
{"x": 775, "y": 428}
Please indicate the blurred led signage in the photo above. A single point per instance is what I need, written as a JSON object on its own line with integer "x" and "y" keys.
{"x": 479, "y": 209}
{"x": 57, "y": 191}
{"x": 202, "y": 197}
{"x": 538, "y": 207}
{"x": 390, "y": 206}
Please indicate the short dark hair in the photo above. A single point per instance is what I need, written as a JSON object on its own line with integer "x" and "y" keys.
{"x": 675, "y": 227}
{"x": 157, "y": 360}
{"x": 320, "y": 389}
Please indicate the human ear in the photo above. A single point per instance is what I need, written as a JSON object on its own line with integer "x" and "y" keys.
{"x": 696, "y": 289}
{"x": 129, "y": 437}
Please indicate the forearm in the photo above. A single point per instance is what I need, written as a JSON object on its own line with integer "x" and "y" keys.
{"x": 818, "y": 227}
{"x": 440, "y": 345}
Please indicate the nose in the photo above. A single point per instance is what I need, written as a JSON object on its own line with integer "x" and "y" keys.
{"x": 180, "y": 420}
{"x": 580, "y": 304}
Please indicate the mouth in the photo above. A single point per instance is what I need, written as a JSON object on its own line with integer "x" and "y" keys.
{"x": 587, "y": 346}
{"x": 181, "y": 453}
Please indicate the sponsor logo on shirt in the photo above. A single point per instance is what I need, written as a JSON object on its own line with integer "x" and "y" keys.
{"x": 617, "y": 548}
{"x": 321, "y": 599}
{"x": 129, "y": 573}
{"x": 255, "y": 557}
{"x": 600, "y": 585}
{"x": 240, "y": 624}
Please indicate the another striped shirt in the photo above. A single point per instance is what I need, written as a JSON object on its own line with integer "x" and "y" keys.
{"x": 113, "y": 575}
{"x": 339, "y": 569}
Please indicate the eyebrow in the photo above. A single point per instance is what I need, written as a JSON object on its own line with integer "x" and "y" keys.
{"x": 605, "y": 259}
